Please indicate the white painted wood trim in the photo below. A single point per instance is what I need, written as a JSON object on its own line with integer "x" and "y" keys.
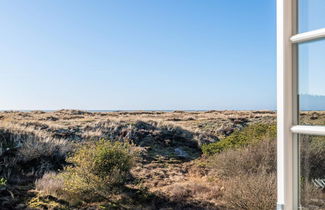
{"x": 287, "y": 171}
{"x": 310, "y": 130}
{"x": 308, "y": 36}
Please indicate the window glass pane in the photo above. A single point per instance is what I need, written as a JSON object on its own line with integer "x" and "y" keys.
{"x": 312, "y": 82}
{"x": 311, "y": 15}
{"x": 312, "y": 172}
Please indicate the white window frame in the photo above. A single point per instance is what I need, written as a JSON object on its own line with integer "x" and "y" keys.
{"x": 287, "y": 103}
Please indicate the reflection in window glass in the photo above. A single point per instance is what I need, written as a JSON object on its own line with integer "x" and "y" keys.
{"x": 312, "y": 82}
{"x": 311, "y": 15}
{"x": 312, "y": 172}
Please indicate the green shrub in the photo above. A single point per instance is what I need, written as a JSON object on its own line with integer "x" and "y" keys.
{"x": 3, "y": 182}
{"x": 110, "y": 161}
{"x": 249, "y": 135}
{"x": 97, "y": 170}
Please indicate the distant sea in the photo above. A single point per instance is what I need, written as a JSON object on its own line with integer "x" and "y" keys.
{"x": 112, "y": 110}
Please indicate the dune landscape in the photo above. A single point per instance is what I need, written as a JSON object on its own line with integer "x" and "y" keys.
{"x": 172, "y": 160}
{"x": 169, "y": 144}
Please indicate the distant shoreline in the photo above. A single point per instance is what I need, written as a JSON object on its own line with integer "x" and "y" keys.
{"x": 144, "y": 110}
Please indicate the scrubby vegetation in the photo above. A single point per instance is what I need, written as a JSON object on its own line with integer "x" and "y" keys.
{"x": 252, "y": 159}
{"x": 72, "y": 159}
{"x": 98, "y": 170}
{"x": 248, "y": 192}
{"x": 247, "y": 167}
{"x": 249, "y": 135}
{"x": 248, "y": 172}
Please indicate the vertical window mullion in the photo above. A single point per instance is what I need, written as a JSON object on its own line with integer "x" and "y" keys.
{"x": 287, "y": 150}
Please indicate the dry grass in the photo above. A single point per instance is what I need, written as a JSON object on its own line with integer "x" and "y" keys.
{"x": 215, "y": 123}
{"x": 196, "y": 189}
{"x": 24, "y": 154}
{"x": 252, "y": 159}
{"x": 251, "y": 191}
{"x": 33, "y": 148}
{"x": 50, "y": 184}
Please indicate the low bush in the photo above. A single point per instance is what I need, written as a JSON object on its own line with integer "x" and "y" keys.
{"x": 252, "y": 159}
{"x": 251, "y": 191}
{"x": 247, "y": 168}
{"x": 97, "y": 169}
{"x": 249, "y": 135}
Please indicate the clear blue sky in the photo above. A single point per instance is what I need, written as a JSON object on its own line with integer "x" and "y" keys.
{"x": 311, "y": 54}
{"x": 137, "y": 54}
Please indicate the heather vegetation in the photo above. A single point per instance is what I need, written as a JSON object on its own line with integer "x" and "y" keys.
{"x": 240, "y": 138}
{"x": 72, "y": 159}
